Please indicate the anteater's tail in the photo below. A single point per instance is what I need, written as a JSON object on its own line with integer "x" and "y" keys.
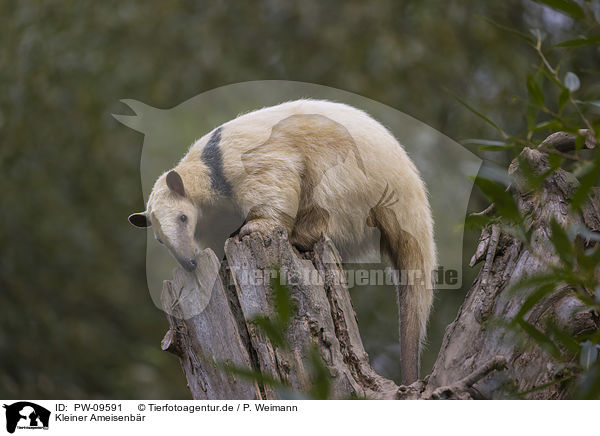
{"x": 414, "y": 259}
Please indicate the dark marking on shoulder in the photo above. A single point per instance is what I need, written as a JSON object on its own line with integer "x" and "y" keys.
{"x": 212, "y": 157}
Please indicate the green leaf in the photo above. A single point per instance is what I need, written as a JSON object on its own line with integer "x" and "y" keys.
{"x": 534, "y": 180}
{"x": 579, "y": 142}
{"x": 532, "y": 114}
{"x": 555, "y": 161}
{"x": 487, "y": 145}
{"x": 253, "y": 375}
{"x": 493, "y": 148}
{"x": 563, "y": 98}
{"x": 592, "y": 102}
{"x": 536, "y": 280}
{"x": 561, "y": 243}
{"x": 534, "y": 90}
{"x": 586, "y": 182}
{"x": 321, "y": 378}
{"x": 476, "y": 222}
{"x": 504, "y": 201}
{"x": 480, "y": 115}
{"x": 572, "y": 81}
{"x": 485, "y": 142}
{"x": 523, "y": 394}
{"x": 587, "y": 259}
{"x": 564, "y": 338}
{"x": 588, "y": 384}
{"x": 584, "y": 232}
{"x": 510, "y": 29}
{"x": 579, "y": 41}
{"x": 589, "y": 354}
{"x": 534, "y": 298}
{"x": 540, "y": 338}
{"x": 551, "y": 125}
{"x": 272, "y": 330}
{"x": 568, "y": 7}
{"x": 538, "y": 34}
{"x": 283, "y": 302}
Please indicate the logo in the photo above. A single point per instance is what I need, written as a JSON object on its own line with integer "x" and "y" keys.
{"x": 26, "y": 415}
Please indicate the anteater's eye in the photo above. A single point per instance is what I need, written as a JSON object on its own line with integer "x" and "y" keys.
{"x": 159, "y": 240}
{"x": 183, "y": 218}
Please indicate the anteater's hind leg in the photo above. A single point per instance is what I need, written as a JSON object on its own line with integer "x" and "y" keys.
{"x": 311, "y": 223}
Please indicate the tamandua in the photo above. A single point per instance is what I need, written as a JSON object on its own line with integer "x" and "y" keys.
{"x": 286, "y": 166}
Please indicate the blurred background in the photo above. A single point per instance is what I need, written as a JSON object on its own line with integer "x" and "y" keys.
{"x": 76, "y": 319}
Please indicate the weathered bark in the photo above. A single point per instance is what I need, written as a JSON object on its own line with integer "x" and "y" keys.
{"x": 479, "y": 358}
{"x": 478, "y": 332}
{"x": 224, "y": 332}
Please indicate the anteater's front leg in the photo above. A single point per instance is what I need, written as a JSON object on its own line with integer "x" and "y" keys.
{"x": 271, "y": 202}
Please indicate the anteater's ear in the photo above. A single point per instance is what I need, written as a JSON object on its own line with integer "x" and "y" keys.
{"x": 175, "y": 183}
{"x": 139, "y": 219}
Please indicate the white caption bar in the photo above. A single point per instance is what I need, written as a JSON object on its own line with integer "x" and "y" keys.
{"x": 24, "y": 417}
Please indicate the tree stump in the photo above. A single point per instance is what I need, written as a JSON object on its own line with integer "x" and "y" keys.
{"x": 477, "y": 334}
{"x": 479, "y": 357}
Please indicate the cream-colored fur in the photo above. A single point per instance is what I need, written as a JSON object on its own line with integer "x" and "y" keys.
{"x": 315, "y": 166}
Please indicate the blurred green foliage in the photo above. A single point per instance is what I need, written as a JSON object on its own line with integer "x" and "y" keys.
{"x": 556, "y": 102}
{"x": 76, "y": 318}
